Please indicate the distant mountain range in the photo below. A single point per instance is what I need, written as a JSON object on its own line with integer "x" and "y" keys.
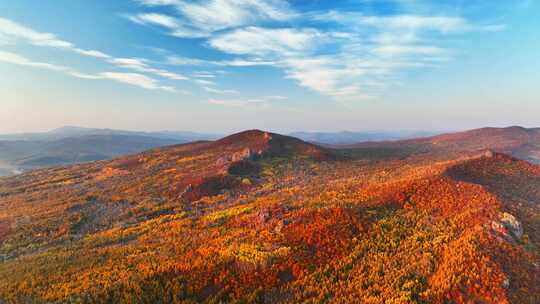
{"x": 523, "y": 143}
{"x": 348, "y": 137}
{"x": 71, "y": 131}
{"x": 70, "y": 145}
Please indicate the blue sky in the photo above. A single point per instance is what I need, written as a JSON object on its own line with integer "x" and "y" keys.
{"x": 228, "y": 65}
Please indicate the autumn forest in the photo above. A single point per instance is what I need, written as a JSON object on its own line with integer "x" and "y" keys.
{"x": 257, "y": 217}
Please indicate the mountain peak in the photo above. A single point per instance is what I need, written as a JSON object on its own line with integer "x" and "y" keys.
{"x": 246, "y": 137}
{"x": 272, "y": 144}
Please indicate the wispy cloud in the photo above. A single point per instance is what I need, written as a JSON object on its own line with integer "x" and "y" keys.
{"x": 134, "y": 79}
{"x": 128, "y": 78}
{"x": 18, "y": 32}
{"x": 244, "y": 62}
{"x": 264, "y": 101}
{"x": 204, "y": 82}
{"x": 140, "y": 65}
{"x": 218, "y": 91}
{"x": 263, "y": 42}
{"x": 137, "y": 80}
{"x": 352, "y": 53}
{"x": 17, "y": 59}
{"x": 202, "y": 18}
{"x": 155, "y": 19}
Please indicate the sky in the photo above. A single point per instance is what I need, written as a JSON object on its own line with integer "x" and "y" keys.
{"x": 304, "y": 65}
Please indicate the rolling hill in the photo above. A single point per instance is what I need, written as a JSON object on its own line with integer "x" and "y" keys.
{"x": 258, "y": 217}
{"x": 520, "y": 142}
{"x": 71, "y": 145}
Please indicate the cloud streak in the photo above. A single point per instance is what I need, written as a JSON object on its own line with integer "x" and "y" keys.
{"x": 19, "y": 32}
{"x": 17, "y": 59}
{"x": 261, "y": 102}
{"x": 127, "y": 78}
{"x": 197, "y": 19}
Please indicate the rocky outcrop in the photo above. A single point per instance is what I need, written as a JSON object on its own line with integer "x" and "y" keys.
{"x": 508, "y": 225}
{"x": 246, "y": 154}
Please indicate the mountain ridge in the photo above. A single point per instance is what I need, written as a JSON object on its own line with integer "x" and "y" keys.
{"x": 261, "y": 217}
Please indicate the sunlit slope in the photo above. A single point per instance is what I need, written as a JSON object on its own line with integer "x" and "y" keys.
{"x": 516, "y": 141}
{"x": 260, "y": 217}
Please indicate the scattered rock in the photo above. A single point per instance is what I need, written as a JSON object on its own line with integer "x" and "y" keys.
{"x": 512, "y": 224}
{"x": 264, "y": 216}
{"x": 508, "y": 225}
{"x": 245, "y": 154}
{"x": 506, "y": 283}
{"x": 185, "y": 191}
{"x": 246, "y": 182}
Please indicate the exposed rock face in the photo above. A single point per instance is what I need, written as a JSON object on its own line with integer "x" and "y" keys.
{"x": 246, "y": 154}
{"x": 512, "y": 224}
{"x": 506, "y": 283}
{"x": 508, "y": 225}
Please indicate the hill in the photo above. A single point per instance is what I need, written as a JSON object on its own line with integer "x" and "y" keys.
{"x": 258, "y": 217}
{"x": 71, "y": 145}
{"x": 27, "y": 155}
{"x": 517, "y": 141}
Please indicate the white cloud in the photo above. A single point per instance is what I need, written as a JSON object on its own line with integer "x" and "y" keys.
{"x": 92, "y": 53}
{"x": 155, "y": 19}
{"x": 19, "y": 32}
{"x": 136, "y": 80}
{"x": 245, "y": 63}
{"x": 218, "y": 91}
{"x": 354, "y": 56}
{"x": 140, "y": 65}
{"x": 238, "y": 102}
{"x": 17, "y": 59}
{"x": 263, "y": 102}
{"x": 85, "y": 76}
{"x": 129, "y": 78}
{"x": 183, "y": 61}
{"x": 262, "y": 41}
{"x": 275, "y": 97}
{"x": 16, "y": 31}
{"x": 204, "y": 82}
{"x": 201, "y": 19}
